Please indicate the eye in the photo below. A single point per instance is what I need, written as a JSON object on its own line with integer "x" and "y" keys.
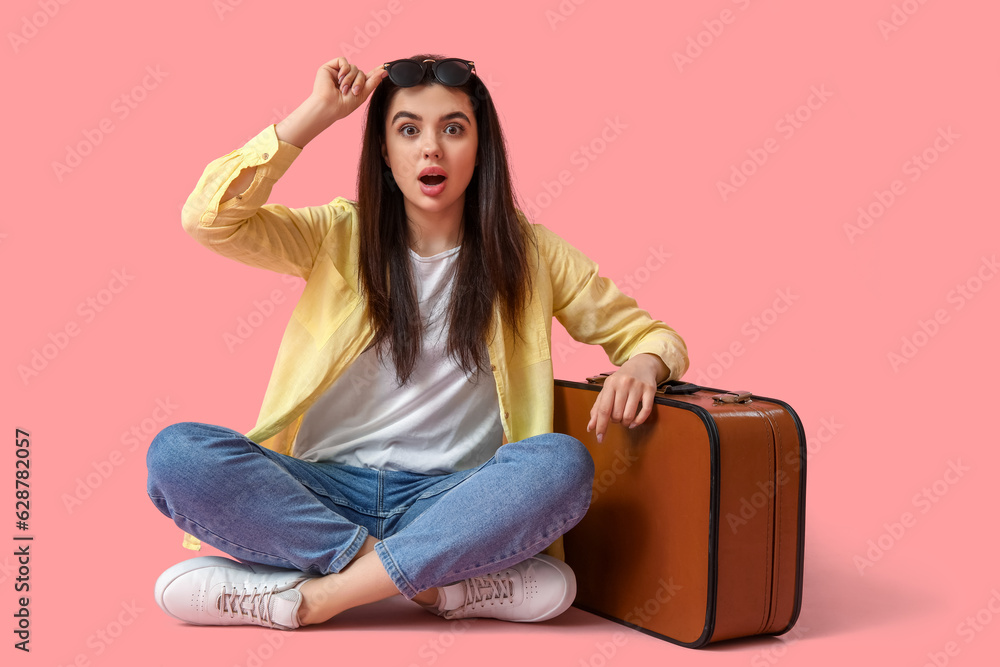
{"x": 459, "y": 129}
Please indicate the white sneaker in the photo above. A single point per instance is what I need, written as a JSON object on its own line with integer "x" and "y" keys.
{"x": 536, "y": 589}
{"x": 211, "y": 590}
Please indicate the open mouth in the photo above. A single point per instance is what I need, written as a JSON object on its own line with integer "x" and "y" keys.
{"x": 435, "y": 179}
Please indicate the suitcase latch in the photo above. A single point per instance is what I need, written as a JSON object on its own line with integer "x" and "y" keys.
{"x": 733, "y": 397}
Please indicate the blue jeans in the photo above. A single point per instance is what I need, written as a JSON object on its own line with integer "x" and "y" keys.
{"x": 264, "y": 507}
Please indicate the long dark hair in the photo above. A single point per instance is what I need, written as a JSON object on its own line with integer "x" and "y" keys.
{"x": 492, "y": 265}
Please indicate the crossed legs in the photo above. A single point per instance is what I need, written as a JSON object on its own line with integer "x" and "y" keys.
{"x": 364, "y": 580}
{"x": 264, "y": 507}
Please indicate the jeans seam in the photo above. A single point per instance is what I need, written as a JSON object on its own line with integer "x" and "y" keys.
{"x": 389, "y": 563}
{"x": 359, "y": 538}
{"x": 379, "y": 491}
{"x": 360, "y": 535}
{"x": 338, "y": 500}
{"x": 304, "y": 480}
{"x": 438, "y": 491}
{"x": 235, "y": 544}
{"x": 545, "y": 540}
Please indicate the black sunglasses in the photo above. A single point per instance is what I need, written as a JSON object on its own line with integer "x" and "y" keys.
{"x": 450, "y": 71}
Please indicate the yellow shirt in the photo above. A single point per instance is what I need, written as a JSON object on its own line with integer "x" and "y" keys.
{"x": 328, "y": 329}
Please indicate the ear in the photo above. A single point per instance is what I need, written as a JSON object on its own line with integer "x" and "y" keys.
{"x": 385, "y": 156}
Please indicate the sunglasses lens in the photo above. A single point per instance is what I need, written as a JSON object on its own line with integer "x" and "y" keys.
{"x": 406, "y": 73}
{"x": 453, "y": 72}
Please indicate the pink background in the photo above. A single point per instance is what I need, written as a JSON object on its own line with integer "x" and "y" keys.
{"x": 880, "y": 433}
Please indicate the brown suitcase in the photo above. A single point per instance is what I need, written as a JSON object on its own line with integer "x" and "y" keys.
{"x": 695, "y": 532}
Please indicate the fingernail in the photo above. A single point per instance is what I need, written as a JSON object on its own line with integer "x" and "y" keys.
{"x": 356, "y": 89}
{"x": 633, "y": 425}
{"x": 600, "y": 437}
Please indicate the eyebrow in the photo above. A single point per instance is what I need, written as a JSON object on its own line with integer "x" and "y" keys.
{"x": 449, "y": 116}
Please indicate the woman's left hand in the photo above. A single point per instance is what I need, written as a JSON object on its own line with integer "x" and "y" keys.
{"x": 619, "y": 399}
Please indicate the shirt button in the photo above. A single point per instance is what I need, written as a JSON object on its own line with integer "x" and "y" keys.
{"x": 239, "y": 196}
{"x": 265, "y": 156}
{"x": 506, "y": 415}
{"x": 494, "y": 367}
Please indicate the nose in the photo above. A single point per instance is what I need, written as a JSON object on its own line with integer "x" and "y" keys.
{"x": 431, "y": 146}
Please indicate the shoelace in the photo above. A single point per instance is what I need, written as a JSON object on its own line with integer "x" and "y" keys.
{"x": 489, "y": 587}
{"x": 232, "y": 602}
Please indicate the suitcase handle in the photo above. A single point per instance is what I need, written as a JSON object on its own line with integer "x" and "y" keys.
{"x": 676, "y": 387}
{"x": 667, "y": 387}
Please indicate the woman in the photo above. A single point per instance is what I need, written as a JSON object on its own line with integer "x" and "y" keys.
{"x": 404, "y": 445}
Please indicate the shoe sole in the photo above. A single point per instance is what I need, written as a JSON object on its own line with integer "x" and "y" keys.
{"x": 569, "y": 577}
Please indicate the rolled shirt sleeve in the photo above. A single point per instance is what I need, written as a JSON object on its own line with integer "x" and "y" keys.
{"x": 594, "y": 311}
{"x": 244, "y": 227}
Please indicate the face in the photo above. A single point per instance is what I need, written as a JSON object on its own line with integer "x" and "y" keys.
{"x": 431, "y": 126}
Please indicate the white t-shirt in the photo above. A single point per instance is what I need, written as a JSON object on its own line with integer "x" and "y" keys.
{"x": 441, "y": 421}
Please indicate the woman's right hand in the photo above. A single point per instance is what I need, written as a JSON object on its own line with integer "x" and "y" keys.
{"x": 338, "y": 75}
